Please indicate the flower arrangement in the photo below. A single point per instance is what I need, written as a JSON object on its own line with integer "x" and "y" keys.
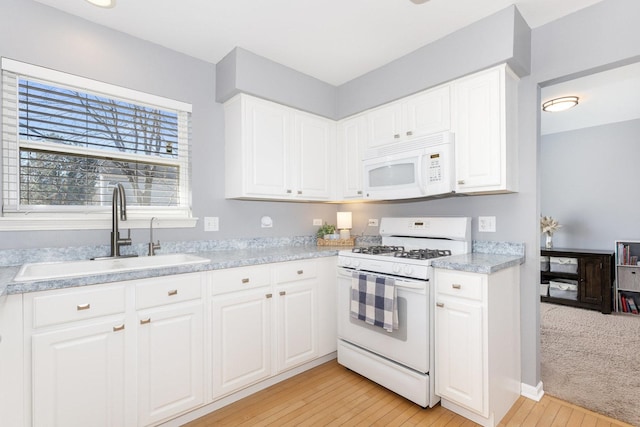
{"x": 548, "y": 225}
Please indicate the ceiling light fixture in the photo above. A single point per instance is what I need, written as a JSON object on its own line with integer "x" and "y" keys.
{"x": 560, "y": 104}
{"x": 419, "y": 1}
{"x": 107, "y": 4}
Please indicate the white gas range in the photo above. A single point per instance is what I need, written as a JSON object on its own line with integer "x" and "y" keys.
{"x": 401, "y": 360}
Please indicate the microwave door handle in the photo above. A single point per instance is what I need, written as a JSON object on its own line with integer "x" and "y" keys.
{"x": 422, "y": 174}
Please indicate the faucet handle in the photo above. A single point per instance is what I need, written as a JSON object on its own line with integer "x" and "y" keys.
{"x": 127, "y": 240}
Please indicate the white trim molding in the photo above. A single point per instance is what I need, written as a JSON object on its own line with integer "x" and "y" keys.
{"x": 531, "y": 392}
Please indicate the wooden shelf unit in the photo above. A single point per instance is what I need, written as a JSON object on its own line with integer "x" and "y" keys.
{"x": 594, "y": 277}
{"x": 627, "y": 282}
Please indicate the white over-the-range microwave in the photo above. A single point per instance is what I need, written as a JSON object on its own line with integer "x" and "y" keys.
{"x": 418, "y": 168}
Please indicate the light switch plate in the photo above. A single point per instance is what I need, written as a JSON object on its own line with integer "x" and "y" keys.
{"x": 373, "y": 222}
{"x": 487, "y": 224}
{"x": 211, "y": 223}
{"x": 317, "y": 221}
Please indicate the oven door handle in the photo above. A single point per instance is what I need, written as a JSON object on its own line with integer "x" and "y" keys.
{"x": 400, "y": 282}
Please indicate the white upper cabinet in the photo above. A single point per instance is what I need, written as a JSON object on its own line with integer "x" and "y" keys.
{"x": 276, "y": 152}
{"x": 352, "y": 133}
{"x": 483, "y": 120}
{"x": 313, "y": 157}
{"x": 418, "y": 115}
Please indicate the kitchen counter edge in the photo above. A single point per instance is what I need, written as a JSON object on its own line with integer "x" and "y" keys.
{"x": 481, "y": 263}
{"x": 218, "y": 260}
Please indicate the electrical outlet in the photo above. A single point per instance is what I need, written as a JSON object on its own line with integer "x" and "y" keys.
{"x": 373, "y": 222}
{"x": 211, "y": 223}
{"x": 487, "y": 224}
{"x": 317, "y": 221}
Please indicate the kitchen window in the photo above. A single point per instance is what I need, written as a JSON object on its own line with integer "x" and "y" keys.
{"x": 68, "y": 140}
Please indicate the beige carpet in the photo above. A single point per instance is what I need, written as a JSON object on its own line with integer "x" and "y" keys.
{"x": 592, "y": 360}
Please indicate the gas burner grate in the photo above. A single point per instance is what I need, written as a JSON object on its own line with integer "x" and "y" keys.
{"x": 378, "y": 250}
{"x": 423, "y": 253}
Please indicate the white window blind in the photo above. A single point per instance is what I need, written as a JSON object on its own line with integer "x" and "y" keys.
{"x": 68, "y": 140}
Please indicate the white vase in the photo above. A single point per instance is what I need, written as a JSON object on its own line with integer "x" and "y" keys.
{"x": 548, "y": 242}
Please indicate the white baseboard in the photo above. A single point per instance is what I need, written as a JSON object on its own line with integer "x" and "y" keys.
{"x": 531, "y": 392}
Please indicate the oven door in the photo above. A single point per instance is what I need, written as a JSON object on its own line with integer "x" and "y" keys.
{"x": 409, "y": 344}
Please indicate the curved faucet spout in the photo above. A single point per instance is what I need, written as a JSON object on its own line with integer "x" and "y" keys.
{"x": 116, "y": 241}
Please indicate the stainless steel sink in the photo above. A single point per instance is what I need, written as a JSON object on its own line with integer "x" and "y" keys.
{"x": 57, "y": 270}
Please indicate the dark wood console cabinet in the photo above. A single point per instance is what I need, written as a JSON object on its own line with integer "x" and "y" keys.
{"x": 594, "y": 276}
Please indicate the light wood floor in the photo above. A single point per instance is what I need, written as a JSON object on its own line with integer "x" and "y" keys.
{"x": 331, "y": 395}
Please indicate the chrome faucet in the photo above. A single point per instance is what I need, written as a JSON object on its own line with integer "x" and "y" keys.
{"x": 153, "y": 247}
{"x": 116, "y": 241}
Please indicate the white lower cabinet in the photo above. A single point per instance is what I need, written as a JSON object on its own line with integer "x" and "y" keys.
{"x": 170, "y": 361}
{"x": 79, "y": 375}
{"x": 266, "y": 320}
{"x": 141, "y": 352}
{"x": 477, "y": 344}
{"x": 241, "y": 339}
{"x": 99, "y": 352}
{"x": 296, "y": 314}
{"x": 459, "y": 353}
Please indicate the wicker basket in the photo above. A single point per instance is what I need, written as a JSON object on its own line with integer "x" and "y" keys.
{"x": 339, "y": 242}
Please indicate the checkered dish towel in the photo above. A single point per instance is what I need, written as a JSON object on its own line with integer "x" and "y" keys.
{"x": 373, "y": 299}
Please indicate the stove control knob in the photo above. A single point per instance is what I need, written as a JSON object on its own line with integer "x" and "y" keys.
{"x": 356, "y": 263}
{"x": 408, "y": 270}
{"x": 346, "y": 262}
{"x": 395, "y": 268}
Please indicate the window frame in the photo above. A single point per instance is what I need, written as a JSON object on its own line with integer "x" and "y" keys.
{"x": 96, "y": 217}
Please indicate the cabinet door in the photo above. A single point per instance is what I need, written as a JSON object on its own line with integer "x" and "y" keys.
{"x": 313, "y": 157}
{"x": 459, "y": 352}
{"x": 78, "y": 376}
{"x": 241, "y": 339}
{"x": 480, "y": 140}
{"x": 267, "y": 155}
{"x": 384, "y": 125}
{"x": 296, "y": 324}
{"x": 427, "y": 113}
{"x": 591, "y": 280}
{"x": 170, "y": 361}
{"x": 351, "y": 143}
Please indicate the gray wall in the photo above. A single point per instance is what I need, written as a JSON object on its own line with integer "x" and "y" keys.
{"x": 588, "y": 182}
{"x": 501, "y": 37}
{"x": 66, "y": 43}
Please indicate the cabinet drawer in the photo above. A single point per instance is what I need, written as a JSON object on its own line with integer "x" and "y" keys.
{"x": 629, "y": 278}
{"x": 239, "y": 279}
{"x": 459, "y": 284}
{"x": 297, "y": 270}
{"x": 77, "y": 305}
{"x": 167, "y": 290}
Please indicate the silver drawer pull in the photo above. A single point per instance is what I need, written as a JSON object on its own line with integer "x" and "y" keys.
{"x": 172, "y": 292}
{"x": 118, "y": 328}
{"x": 299, "y": 191}
{"x": 246, "y": 280}
{"x": 456, "y": 286}
{"x": 83, "y": 306}
{"x": 396, "y": 136}
{"x": 300, "y": 271}
{"x": 268, "y": 295}
{"x": 440, "y": 304}
{"x": 283, "y": 293}
{"x": 145, "y": 321}
{"x": 461, "y": 182}
{"x": 409, "y": 133}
